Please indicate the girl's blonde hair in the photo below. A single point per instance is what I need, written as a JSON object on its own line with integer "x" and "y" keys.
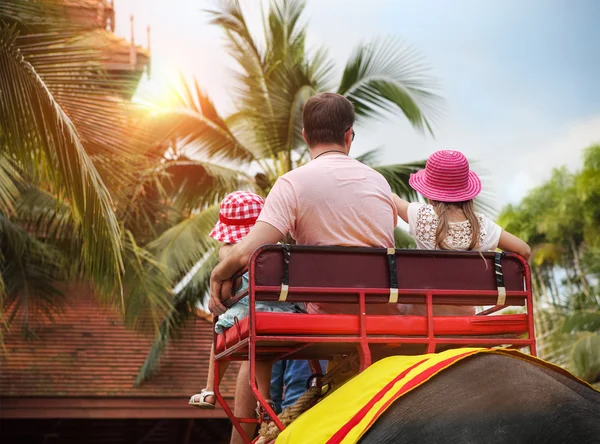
{"x": 468, "y": 208}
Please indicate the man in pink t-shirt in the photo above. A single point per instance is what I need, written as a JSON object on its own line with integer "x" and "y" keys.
{"x": 332, "y": 200}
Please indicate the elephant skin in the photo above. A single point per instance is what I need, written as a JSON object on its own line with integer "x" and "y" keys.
{"x": 492, "y": 399}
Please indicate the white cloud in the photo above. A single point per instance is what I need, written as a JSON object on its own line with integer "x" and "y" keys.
{"x": 563, "y": 150}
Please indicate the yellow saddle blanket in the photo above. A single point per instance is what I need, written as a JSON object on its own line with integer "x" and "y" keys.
{"x": 345, "y": 415}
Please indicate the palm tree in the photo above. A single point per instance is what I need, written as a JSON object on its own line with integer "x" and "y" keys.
{"x": 65, "y": 144}
{"x": 262, "y": 140}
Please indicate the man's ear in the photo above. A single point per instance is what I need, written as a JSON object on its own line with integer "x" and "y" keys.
{"x": 304, "y": 136}
{"x": 348, "y": 141}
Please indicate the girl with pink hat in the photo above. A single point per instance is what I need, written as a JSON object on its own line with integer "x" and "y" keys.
{"x": 238, "y": 213}
{"x": 449, "y": 221}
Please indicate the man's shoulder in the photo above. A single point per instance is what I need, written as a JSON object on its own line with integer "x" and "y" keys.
{"x": 371, "y": 172}
{"x": 311, "y": 171}
{"x": 298, "y": 173}
{"x": 310, "y": 167}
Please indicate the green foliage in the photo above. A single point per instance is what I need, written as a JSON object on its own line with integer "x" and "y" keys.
{"x": 402, "y": 239}
{"x": 69, "y": 152}
{"x": 585, "y": 357}
{"x": 30, "y": 271}
{"x": 386, "y": 75}
{"x": 42, "y": 140}
{"x": 560, "y": 221}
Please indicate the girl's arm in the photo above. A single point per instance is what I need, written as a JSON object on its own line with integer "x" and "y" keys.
{"x": 510, "y": 242}
{"x": 401, "y": 207}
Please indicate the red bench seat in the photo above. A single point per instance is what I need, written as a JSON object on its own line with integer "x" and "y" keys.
{"x": 411, "y": 326}
{"x": 361, "y": 278}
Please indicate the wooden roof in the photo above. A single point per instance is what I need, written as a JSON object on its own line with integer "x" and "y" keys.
{"x": 92, "y": 13}
{"x": 87, "y": 357}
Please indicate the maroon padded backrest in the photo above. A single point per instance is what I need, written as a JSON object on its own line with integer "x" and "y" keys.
{"x": 332, "y": 267}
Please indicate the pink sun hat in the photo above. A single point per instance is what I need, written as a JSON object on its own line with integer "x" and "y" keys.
{"x": 238, "y": 213}
{"x": 446, "y": 178}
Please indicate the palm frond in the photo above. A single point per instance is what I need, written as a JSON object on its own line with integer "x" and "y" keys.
{"x": 183, "y": 245}
{"x": 292, "y": 82}
{"x": 398, "y": 175}
{"x": 291, "y": 88}
{"x": 45, "y": 215}
{"x": 147, "y": 287}
{"x": 370, "y": 158}
{"x": 9, "y": 179}
{"x": 286, "y": 32}
{"x": 244, "y": 48}
{"x": 386, "y": 75}
{"x": 196, "y": 184}
{"x": 320, "y": 69}
{"x": 191, "y": 290}
{"x": 199, "y": 134}
{"x": 30, "y": 271}
{"x": 484, "y": 202}
{"x": 40, "y": 136}
{"x": 251, "y": 80}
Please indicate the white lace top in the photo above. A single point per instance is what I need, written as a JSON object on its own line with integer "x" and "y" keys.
{"x": 422, "y": 222}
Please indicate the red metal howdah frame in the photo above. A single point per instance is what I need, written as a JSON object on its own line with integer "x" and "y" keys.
{"x": 373, "y": 277}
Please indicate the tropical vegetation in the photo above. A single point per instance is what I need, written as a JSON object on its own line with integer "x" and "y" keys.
{"x": 95, "y": 189}
{"x": 98, "y": 190}
{"x": 561, "y": 221}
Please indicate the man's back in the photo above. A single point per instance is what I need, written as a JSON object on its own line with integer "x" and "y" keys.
{"x": 333, "y": 200}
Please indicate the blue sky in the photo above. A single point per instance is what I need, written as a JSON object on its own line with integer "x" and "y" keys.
{"x": 519, "y": 78}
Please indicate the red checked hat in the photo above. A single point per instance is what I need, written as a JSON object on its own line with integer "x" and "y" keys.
{"x": 237, "y": 214}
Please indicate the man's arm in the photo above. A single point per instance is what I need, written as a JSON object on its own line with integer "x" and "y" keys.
{"x": 224, "y": 251}
{"x": 262, "y": 233}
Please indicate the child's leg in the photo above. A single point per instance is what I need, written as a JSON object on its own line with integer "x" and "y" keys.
{"x": 197, "y": 399}
{"x": 210, "y": 379}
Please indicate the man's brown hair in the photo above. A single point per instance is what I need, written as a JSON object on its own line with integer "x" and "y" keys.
{"x": 326, "y": 118}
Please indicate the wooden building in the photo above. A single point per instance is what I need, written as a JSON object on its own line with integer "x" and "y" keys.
{"x": 73, "y": 382}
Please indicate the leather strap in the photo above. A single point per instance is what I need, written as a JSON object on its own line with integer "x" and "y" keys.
{"x": 499, "y": 278}
{"x": 391, "y": 257}
{"x": 285, "y": 283}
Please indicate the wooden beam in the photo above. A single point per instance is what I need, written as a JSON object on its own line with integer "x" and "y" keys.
{"x": 107, "y": 407}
